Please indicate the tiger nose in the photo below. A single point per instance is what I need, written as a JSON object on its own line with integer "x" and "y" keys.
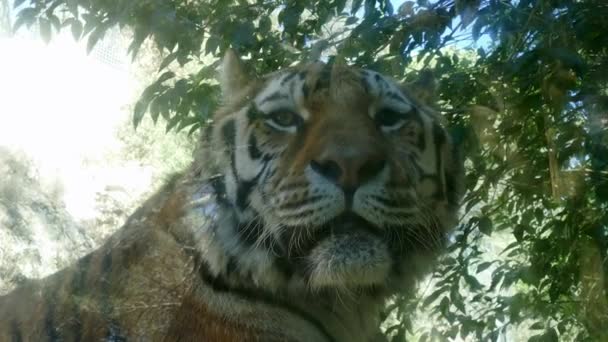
{"x": 349, "y": 166}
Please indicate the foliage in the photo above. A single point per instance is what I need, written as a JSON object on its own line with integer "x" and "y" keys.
{"x": 529, "y": 106}
{"x": 5, "y": 19}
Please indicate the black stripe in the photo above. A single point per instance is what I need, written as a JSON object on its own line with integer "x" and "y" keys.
{"x": 414, "y": 115}
{"x": 394, "y": 202}
{"x": 380, "y": 81}
{"x": 288, "y": 77}
{"x": 229, "y": 134}
{"x": 257, "y": 295}
{"x": 397, "y": 97}
{"x": 253, "y": 113}
{"x": 49, "y": 324}
{"x": 365, "y": 84}
{"x": 305, "y": 90}
{"x": 78, "y": 285}
{"x": 295, "y": 205}
{"x": 293, "y": 185}
{"x": 16, "y": 332}
{"x": 242, "y": 193}
{"x": 231, "y": 265}
{"x": 207, "y": 133}
{"x": 282, "y": 262}
{"x": 254, "y": 151}
{"x": 324, "y": 80}
{"x": 105, "y": 280}
{"x": 244, "y": 187}
{"x": 275, "y": 96}
{"x": 219, "y": 188}
{"x": 439, "y": 134}
{"x": 114, "y": 333}
{"x": 299, "y": 215}
{"x": 106, "y": 264}
{"x": 49, "y": 317}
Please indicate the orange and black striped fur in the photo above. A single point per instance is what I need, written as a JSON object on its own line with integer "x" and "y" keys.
{"x": 319, "y": 191}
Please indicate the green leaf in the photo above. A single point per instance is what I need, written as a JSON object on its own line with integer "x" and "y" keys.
{"x": 17, "y": 3}
{"x": 485, "y": 225}
{"x": 45, "y": 29}
{"x": 264, "y": 25}
{"x": 72, "y": 7}
{"x": 172, "y": 123}
{"x": 55, "y": 22}
{"x": 94, "y": 37}
{"x": 242, "y": 36}
{"x": 539, "y": 215}
{"x": 444, "y": 306}
{"x": 474, "y": 200}
{"x": 472, "y": 282}
{"x": 356, "y": 5}
{"x": 212, "y": 44}
{"x": 76, "y": 28}
{"x": 351, "y": 20}
{"x": 154, "y": 109}
{"x": 90, "y": 23}
{"x": 165, "y": 76}
{"x": 167, "y": 60}
{"x": 339, "y": 4}
{"x": 549, "y": 336}
{"x": 138, "y": 112}
{"x": 458, "y": 303}
{"x": 20, "y": 22}
{"x": 433, "y": 296}
{"x": 484, "y": 266}
{"x": 194, "y": 128}
{"x": 466, "y": 328}
{"x": 538, "y": 326}
{"x": 518, "y": 232}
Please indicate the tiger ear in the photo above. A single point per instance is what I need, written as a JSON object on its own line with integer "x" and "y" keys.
{"x": 424, "y": 88}
{"x": 233, "y": 77}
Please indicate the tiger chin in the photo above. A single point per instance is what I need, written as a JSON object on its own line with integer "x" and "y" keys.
{"x": 318, "y": 192}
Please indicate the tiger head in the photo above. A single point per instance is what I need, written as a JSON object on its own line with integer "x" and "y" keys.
{"x": 335, "y": 177}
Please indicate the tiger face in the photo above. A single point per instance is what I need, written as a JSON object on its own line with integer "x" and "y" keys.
{"x": 340, "y": 177}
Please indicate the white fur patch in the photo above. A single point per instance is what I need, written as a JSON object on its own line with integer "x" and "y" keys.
{"x": 357, "y": 259}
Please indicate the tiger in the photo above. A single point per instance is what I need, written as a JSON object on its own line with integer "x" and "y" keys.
{"x": 317, "y": 193}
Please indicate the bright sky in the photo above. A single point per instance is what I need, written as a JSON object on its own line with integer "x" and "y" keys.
{"x": 61, "y": 107}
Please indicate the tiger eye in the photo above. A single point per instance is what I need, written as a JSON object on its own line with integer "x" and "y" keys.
{"x": 388, "y": 117}
{"x": 284, "y": 118}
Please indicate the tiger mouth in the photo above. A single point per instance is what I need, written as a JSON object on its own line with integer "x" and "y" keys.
{"x": 346, "y": 223}
{"x": 301, "y": 240}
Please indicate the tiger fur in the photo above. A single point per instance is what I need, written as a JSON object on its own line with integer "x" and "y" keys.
{"x": 317, "y": 193}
